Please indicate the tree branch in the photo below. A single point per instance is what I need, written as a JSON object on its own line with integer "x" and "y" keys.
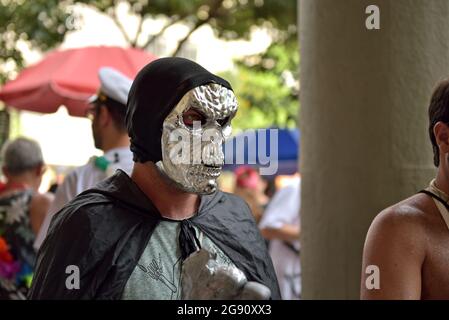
{"x": 116, "y": 20}
{"x": 139, "y": 30}
{"x": 198, "y": 24}
{"x": 151, "y": 39}
{"x": 214, "y": 10}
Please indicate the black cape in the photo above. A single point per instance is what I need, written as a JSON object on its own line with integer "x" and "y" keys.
{"x": 104, "y": 230}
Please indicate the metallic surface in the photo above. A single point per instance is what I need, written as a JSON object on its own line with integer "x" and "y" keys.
{"x": 192, "y": 156}
{"x": 204, "y": 279}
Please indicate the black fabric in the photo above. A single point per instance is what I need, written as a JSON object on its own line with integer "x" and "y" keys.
{"x": 156, "y": 90}
{"x": 104, "y": 231}
{"x": 188, "y": 242}
{"x": 433, "y": 195}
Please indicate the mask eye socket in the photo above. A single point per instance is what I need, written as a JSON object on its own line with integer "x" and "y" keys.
{"x": 191, "y": 116}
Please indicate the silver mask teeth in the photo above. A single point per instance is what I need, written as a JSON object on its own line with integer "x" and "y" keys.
{"x": 204, "y": 171}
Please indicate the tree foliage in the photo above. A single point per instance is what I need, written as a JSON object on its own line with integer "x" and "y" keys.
{"x": 266, "y": 84}
{"x": 229, "y": 19}
{"x": 267, "y": 87}
{"x": 41, "y": 24}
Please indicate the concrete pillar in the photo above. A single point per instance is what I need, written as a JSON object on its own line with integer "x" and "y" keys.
{"x": 364, "y": 99}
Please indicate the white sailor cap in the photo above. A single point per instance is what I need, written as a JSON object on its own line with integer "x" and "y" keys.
{"x": 114, "y": 85}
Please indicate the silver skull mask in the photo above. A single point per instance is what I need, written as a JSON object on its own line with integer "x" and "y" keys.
{"x": 192, "y": 138}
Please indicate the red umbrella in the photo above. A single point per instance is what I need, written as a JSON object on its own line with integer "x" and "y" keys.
{"x": 69, "y": 78}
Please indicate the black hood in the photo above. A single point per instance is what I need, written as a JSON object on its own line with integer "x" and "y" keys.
{"x": 156, "y": 90}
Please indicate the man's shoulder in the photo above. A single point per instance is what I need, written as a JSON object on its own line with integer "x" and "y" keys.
{"x": 82, "y": 174}
{"x": 84, "y": 206}
{"x": 83, "y": 170}
{"x": 234, "y": 201}
{"x": 224, "y": 205}
{"x": 93, "y": 214}
{"x": 408, "y": 218}
{"x": 415, "y": 209}
{"x": 92, "y": 199}
{"x": 232, "y": 198}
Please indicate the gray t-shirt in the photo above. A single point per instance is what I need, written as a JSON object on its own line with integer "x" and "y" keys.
{"x": 157, "y": 275}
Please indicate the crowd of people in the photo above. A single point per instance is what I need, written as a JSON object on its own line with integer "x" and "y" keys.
{"x": 133, "y": 221}
{"x": 277, "y": 216}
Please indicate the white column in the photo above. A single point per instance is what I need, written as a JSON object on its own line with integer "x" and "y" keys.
{"x": 363, "y": 120}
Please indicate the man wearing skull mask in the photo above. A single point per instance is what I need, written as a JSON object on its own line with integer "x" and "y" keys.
{"x": 166, "y": 232}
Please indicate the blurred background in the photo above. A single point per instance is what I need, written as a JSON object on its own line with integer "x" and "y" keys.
{"x": 252, "y": 43}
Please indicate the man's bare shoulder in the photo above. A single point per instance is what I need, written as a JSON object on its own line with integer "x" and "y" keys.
{"x": 408, "y": 220}
{"x": 413, "y": 211}
{"x": 397, "y": 244}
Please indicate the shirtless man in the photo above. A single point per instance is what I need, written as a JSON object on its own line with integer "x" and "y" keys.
{"x": 409, "y": 241}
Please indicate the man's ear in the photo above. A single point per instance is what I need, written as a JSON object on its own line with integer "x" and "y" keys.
{"x": 104, "y": 117}
{"x": 39, "y": 170}
{"x": 441, "y": 132}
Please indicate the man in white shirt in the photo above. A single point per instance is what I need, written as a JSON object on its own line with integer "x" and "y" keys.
{"x": 110, "y": 135}
{"x": 280, "y": 225}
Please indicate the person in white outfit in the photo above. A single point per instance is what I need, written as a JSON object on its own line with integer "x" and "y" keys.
{"x": 107, "y": 112}
{"x": 280, "y": 225}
